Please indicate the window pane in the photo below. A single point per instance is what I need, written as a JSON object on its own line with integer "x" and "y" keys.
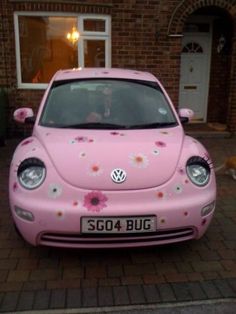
{"x": 92, "y": 25}
{"x": 44, "y": 47}
{"x": 94, "y": 53}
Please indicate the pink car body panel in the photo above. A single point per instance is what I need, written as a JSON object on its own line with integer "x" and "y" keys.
{"x": 79, "y": 164}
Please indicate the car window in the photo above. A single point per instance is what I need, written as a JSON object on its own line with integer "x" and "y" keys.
{"x": 116, "y": 102}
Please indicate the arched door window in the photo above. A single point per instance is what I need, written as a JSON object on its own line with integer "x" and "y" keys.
{"x": 192, "y": 47}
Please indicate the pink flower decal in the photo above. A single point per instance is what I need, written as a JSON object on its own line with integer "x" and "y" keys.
{"x": 15, "y": 186}
{"x": 114, "y": 133}
{"x": 95, "y": 201}
{"x": 160, "y": 144}
{"x": 26, "y": 142}
{"x": 83, "y": 139}
{"x": 21, "y": 114}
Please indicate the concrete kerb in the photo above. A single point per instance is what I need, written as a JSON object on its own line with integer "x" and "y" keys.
{"x": 193, "y": 307}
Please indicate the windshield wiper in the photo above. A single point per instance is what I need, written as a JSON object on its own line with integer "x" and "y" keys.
{"x": 94, "y": 125}
{"x": 153, "y": 125}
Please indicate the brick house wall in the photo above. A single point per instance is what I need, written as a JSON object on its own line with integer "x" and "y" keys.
{"x": 140, "y": 32}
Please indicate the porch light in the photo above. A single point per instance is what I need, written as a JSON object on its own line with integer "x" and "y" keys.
{"x": 73, "y": 37}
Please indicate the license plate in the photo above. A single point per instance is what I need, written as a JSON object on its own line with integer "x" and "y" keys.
{"x": 118, "y": 225}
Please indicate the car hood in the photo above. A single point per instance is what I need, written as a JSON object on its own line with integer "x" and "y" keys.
{"x": 86, "y": 158}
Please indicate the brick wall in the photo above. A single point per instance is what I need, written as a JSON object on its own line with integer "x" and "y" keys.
{"x": 139, "y": 40}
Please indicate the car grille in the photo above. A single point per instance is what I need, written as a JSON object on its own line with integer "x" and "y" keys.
{"x": 101, "y": 240}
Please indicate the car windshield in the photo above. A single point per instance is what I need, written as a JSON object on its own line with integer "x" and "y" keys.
{"x": 107, "y": 104}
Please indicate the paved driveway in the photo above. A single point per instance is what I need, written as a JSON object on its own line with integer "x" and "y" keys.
{"x": 46, "y": 278}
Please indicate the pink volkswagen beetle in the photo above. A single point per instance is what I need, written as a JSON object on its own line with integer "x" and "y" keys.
{"x": 108, "y": 165}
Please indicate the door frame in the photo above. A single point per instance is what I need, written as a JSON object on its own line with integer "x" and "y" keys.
{"x": 202, "y": 20}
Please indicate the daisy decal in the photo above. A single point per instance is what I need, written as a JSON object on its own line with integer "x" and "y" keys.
{"x": 75, "y": 203}
{"x": 26, "y": 142}
{"x": 114, "y": 133}
{"x": 15, "y": 186}
{"x": 82, "y": 154}
{"x": 95, "y": 201}
{"x": 21, "y": 114}
{"x": 95, "y": 170}
{"x": 72, "y": 142}
{"x": 160, "y": 144}
{"x": 83, "y": 139}
{"x": 54, "y": 190}
{"x": 156, "y": 152}
{"x": 139, "y": 160}
{"x": 60, "y": 214}
{"x": 178, "y": 189}
{"x": 161, "y": 195}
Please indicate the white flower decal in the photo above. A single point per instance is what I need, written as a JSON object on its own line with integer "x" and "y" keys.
{"x": 139, "y": 160}
{"x": 72, "y": 142}
{"x": 178, "y": 189}
{"x": 156, "y": 152}
{"x": 82, "y": 154}
{"x": 54, "y": 190}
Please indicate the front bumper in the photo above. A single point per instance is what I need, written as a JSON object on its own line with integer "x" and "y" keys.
{"x": 57, "y": 222}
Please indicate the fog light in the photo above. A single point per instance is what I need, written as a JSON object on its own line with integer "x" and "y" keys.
{"x": 207, "y": 209}
{"x": 24, "y": 214}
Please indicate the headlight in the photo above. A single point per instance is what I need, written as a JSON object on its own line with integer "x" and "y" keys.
{"x": 31, "y": 173}
{"x": 198, "y": 171}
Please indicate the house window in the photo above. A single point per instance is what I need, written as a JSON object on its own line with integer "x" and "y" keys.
{"x": 47, "y": 43}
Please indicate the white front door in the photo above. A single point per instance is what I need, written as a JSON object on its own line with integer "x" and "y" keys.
{"x": 194, "y": 74}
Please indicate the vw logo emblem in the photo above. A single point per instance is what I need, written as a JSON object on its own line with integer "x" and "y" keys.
{"x": 118, "y": 175}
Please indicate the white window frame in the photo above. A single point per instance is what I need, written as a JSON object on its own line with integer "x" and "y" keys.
{"x": 84, "y": 35}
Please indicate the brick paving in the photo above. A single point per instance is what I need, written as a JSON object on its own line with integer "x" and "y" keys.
{"x": 37, "y": 278}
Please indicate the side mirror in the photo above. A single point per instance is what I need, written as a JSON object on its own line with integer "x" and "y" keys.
{"x": 185, "y": 115}
{"x": 24, "y": 115}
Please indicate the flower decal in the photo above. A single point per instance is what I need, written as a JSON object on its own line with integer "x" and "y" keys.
{"x": 60, "y": 214}
{"x": 82, "y": 154}
{"x": 160, "y": 144}
{"x": 75, "y": 203}
{"x": 95, "y": 170}
{"x": 178, "y": 189}
{"x": 181, "y": 171}
{"x": 54, "y": 190}
{"x": 115, "y": 133}
{"x": 26, "y": 142}
{"x": 155, "y": 152}
{"x": 95, "y": 201}
{"x": 83, "y": 139}
{"x": 139, "y": 160}
{"x": 164, "y": 132}
{"x": 15, "y": 186}
{"x": 21, "y": 114}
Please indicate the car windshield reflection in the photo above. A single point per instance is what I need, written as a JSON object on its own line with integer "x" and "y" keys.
{"x": 107, "y": 104}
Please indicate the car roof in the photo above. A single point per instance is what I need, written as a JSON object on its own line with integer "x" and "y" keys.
{"x": 86, "y": 73}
